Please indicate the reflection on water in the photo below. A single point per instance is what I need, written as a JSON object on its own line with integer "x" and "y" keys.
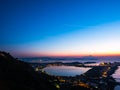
{"x": 116, "y": 75}
{"x": 65, "y": 70}
{"x": 92, "y": 64}
{"x": 117, "y": 87}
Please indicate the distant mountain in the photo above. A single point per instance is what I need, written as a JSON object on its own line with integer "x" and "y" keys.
{"x": 18, "y": 75}
{"x": 90, "y": 57}
{"x": 60, "y": 59}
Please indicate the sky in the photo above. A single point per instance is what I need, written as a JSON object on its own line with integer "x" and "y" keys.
{"x": 60, "y": 27}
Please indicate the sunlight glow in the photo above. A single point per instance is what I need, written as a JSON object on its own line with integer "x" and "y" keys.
{"x": 97, "y": 40}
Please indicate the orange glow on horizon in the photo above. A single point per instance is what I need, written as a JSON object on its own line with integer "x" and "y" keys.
{"x": 70, "y": 54}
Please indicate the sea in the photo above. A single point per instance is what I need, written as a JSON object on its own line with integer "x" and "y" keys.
{"x": 116, "y": 76}
{"x": 71, "y": 70}
{"x": 65, "y": 70}
{"x": 72, "y": 59}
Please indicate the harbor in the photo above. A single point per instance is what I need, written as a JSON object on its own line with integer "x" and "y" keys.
{"x": 97, "y": 78}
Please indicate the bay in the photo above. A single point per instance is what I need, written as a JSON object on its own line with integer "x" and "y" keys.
{"x": 65, "y": 70}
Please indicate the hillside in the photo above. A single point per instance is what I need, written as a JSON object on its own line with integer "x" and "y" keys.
{"x": 18, "y": 75}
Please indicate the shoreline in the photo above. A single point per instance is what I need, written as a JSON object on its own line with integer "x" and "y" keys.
{"x": 101, "y": 80}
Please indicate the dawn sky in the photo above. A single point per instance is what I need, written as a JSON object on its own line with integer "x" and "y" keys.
{"x": 60, "y": 27}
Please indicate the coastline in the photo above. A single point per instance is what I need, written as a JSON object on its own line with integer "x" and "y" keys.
{"x": 102, "y": 80}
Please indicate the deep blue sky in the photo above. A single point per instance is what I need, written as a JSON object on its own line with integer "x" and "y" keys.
{"x": 50, "y": 27}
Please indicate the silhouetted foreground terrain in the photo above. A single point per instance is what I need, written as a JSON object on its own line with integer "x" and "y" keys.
{"x": 18, "y": 75}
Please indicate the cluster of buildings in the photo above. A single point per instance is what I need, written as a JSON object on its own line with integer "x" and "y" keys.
{"x": 97, "y": 78}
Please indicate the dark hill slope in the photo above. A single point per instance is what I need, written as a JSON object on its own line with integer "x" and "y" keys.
{"x": 18, "y": 75}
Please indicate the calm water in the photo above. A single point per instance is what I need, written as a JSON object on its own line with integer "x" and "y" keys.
{"x": 88, "y": 59}
{"x": 65, "y": 70}
{"x": 116, "y": 75}
{"x": 73, "y": 71}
